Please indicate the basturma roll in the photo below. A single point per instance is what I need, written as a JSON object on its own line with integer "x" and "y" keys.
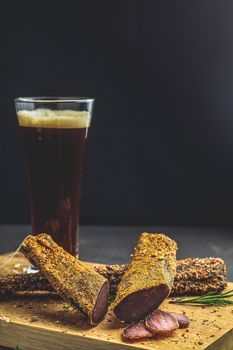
{"x": 148, "y": 279}
{"x": 77, "y": 283}
{"x": 194, "y": 276}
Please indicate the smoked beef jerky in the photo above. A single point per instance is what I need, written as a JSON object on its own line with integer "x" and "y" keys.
{"x": 76, "y": 282}
{"x": 148, "y": 279}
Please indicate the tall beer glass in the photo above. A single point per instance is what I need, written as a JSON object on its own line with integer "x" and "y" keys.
{"x": 54, "y": 132}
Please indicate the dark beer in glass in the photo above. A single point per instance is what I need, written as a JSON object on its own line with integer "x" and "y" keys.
{"x": 54, "y": 133}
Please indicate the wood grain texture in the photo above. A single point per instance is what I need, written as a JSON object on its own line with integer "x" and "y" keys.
{"x": 59, "y": 327}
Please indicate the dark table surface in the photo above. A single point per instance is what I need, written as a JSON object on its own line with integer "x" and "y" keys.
{"x": 114, "y": 244}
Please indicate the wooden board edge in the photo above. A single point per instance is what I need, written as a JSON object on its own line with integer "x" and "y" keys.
{"x": 31, "y": 338}
{"x": 223, "y": 343}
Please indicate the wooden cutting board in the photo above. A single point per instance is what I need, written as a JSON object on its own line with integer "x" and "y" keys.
{"x": 36, "y": 321}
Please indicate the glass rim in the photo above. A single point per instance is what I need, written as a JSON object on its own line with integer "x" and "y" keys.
{"x": 53, "y": 99}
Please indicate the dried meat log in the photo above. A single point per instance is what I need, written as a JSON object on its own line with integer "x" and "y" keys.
{"x": 113, "y": 273}
{"x": 148, "y": 279}
{"x": 197, "y": 276}
{"x": 76, "y": 282}
{"x": 194, "y": 276}
{"x": 24, "y": 282}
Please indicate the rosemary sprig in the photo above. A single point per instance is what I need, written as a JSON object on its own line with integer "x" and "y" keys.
{"x": 210, "y": 299}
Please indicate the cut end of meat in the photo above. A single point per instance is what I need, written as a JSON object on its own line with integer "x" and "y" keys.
{"x": 182, "y": 319}
{"x": 138, "y": 305}
{"x": 136, "y": 331}
{"x": 101, "y": 306}
{"x": 161, "y": 322}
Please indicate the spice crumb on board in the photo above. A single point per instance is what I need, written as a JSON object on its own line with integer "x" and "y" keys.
{"x": 34, "y": 319}
{"x": 217, "y": 326}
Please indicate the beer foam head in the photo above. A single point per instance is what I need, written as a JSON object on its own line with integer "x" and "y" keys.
{"x": 47, "y": 118}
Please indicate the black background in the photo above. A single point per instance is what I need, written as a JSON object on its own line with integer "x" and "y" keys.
{"x": 160, "y": 149}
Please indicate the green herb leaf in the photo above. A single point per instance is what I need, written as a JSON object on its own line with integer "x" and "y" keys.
{"x": 209, "y": 299}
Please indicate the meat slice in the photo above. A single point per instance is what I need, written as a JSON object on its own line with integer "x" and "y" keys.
{"x": 148, "y": 279}
{"x": 76, "y": 282}
{"x": 161, "y": 322}
{"x": 136, "y": 331}
{"x": 182, "y": 319}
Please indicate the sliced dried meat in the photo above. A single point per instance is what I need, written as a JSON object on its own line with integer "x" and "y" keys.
{"x": 182, "y": 319}
{"x": 136, "y": 331}
{"x": 161, "y": 322}
{"x": 148, "y": 279}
